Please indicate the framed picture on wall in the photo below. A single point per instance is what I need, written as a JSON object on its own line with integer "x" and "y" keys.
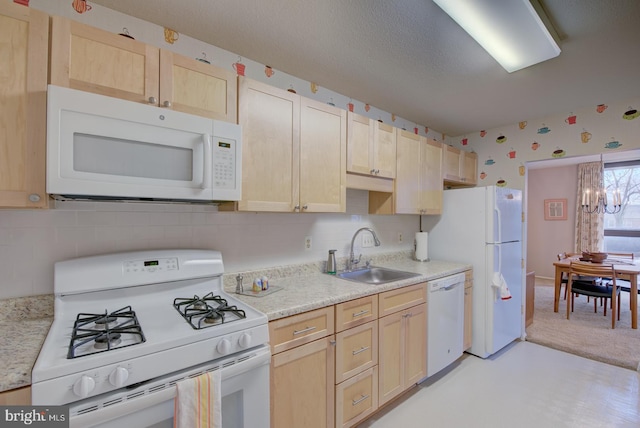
{"x": 555, "y": 209}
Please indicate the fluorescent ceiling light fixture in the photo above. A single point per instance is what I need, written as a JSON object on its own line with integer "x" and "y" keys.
{"x": 510, "y": 30}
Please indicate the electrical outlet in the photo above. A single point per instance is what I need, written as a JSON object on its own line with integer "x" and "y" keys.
{"x": 307, "y": 242}
{"x": 399, "y": 237}
{"x": 367, "y": 241}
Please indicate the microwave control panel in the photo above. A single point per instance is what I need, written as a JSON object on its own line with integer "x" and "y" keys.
{"x": 224, "y": 163}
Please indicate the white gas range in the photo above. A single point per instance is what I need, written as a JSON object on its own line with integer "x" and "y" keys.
{"x": 128, "y": 326}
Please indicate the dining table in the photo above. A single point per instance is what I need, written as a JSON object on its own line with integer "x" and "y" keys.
{"x": 627, "y": 269}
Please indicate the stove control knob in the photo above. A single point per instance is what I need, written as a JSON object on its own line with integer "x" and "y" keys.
{"x": 118, "y": 377}
{"x": 83, "y": 386}
{"x": 224, "y": 346}
{"x": 245, "y": 340}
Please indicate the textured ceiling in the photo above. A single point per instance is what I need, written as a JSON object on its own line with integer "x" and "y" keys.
{"x": 409, "y": 58}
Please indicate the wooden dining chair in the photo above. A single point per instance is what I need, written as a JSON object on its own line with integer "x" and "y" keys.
{"x": 565, "y": 278}
{"x": 623, "y": 284}
{"x": 607, "y": 290}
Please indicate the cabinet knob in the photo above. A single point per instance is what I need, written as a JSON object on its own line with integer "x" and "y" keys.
{"x": 34, "y": 197}
{"x": 305, "y": 206}
{"x": 296, "y": 208}
{"x": 153, "y": 100}
{"x": 373, "y": 171}
{"x": 166, "y": 104}
{"x": 377, "y": 171}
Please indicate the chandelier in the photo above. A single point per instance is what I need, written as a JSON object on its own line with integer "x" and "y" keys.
{"x": 601, "y": 204}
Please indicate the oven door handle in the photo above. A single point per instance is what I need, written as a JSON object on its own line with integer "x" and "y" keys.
{"x": 115, "y": 411}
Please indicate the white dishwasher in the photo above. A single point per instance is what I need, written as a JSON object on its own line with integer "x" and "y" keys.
{"x": 445, "y": 322}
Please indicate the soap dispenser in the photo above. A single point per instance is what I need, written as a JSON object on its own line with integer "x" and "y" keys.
{"x": 331, "y": 262}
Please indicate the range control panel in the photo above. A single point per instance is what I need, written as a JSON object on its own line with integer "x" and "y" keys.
{"x": 155, "y": 265}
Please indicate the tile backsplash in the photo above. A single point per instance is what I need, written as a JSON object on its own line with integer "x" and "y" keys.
{"x": 32, "y": 241}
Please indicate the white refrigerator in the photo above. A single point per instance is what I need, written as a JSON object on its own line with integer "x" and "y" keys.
{"x": 482, "y": 226}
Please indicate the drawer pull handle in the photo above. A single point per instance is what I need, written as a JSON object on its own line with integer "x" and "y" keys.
{"x": 361, "y": 313}
{"x": 304, "y": 330}
{"x": 359, "y": 400}
{"x": 364, "y": 348}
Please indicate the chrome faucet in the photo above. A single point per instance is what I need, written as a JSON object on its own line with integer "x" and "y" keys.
{"x": 352, "y": 260}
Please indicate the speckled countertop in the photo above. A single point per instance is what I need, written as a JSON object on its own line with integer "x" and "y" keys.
{"x": 305, "y": 287}
{"x": 25, "y": 322}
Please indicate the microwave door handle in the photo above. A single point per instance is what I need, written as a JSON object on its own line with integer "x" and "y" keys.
{"x": 206, "y": 175}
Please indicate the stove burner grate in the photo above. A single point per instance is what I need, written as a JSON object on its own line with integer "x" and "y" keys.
{"x": 207, "y": 311}
{"x": 105, "y": 330}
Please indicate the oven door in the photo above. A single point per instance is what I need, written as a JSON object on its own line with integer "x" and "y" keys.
{"x": 245, "y": 397}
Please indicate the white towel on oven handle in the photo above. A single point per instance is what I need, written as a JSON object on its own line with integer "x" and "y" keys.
{"x": 501, "y": 285}
{"x": 198, "y": 401}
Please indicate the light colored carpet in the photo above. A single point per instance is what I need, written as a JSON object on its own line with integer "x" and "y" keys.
{"x": 586, "y": 334}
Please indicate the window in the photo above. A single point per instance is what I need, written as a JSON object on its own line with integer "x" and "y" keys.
{"x": 622, "y": 230}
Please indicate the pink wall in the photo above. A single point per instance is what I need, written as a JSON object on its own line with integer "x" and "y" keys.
{"x": 546, "y": 238}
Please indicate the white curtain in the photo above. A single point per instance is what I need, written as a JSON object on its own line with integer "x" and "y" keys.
{"x": 589, "y": 227}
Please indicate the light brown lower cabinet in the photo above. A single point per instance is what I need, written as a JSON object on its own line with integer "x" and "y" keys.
{"x": 468, "y": 308}
{"x": 335, "y": 366}
{"x": 303, "y": 370}
{"x": 402, "y": 351}
{"x": 357, "y": 398}
{"x": 302, "y": 388}
{"x": 16, "y": 397}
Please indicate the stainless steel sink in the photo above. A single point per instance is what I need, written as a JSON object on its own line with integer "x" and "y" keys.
{"x": 375, "y": 275}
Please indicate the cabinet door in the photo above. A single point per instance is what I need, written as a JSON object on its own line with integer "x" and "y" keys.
{"x": 451, "y": 165}
{"x": 16, "y": 397}
{"x": 360, "y": 131}
{"x": 270, "y": 147}
{"x": 390, "y": 357}
{"x": 23, "y": 106}
{"x": 384, "y": 150}
{"x": 415, "y": 345}
{"x": 191, "y": 86}
{"x": 408, "y": 183}
{"x": 94, "y": 60}
{"x": 431, "y": 161}
{"x": 469, "y": 168}
{"x": 323, "y": 151}
{"x": 302, "y": 387}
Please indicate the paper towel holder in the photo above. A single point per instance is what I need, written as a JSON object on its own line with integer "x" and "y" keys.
{"x": 423, "y": 250}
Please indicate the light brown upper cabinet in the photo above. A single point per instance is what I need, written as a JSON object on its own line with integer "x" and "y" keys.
{"x": 93, "y": 60}
{"x": 371, "y": 147}
{"x": 460, "y": 167}
{"x": 293, "y": 151}
{"x": 23, "y": 107}
{"x": 418, "y": 185}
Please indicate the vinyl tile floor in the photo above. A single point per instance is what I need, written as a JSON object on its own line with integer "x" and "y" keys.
{"x": 524, "y": 385}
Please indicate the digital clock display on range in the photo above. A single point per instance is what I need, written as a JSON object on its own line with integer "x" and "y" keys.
{"x": 151, "y": 263}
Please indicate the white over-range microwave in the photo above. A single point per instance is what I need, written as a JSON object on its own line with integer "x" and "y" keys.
{"x": 100, "y": 147}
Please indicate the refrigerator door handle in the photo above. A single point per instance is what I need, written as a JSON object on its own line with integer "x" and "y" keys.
{"x": 498, "y": 224}
{"x": 499, "y": 248}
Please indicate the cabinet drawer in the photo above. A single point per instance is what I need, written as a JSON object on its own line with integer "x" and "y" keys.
{"x": 356, "y": 350}
{"x": 401, "y": 298}
{"x": 356, "y": 312}
{"x": 357, "y": 398}
{"x": 296, "y": 330}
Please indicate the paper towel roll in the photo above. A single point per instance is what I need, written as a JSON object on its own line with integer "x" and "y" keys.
{"x": 422, "y": 250}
